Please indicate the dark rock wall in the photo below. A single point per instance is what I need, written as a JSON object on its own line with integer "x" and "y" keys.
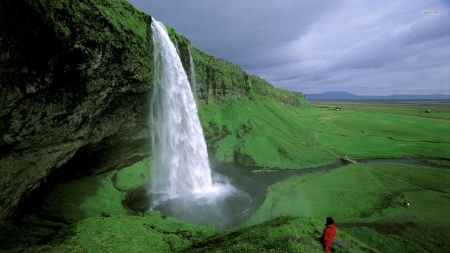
{"x": 74, "y": 77}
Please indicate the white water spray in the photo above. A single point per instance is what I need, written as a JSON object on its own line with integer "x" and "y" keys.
{"x": 180, "y": 158}
{"x": 181, "y": 183}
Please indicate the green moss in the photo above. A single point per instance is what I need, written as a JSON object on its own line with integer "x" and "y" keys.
{"x": 91, "y": 196}
{"x": 123, "y": 233}
{"x": 85, "y": 197}
{"x": 225, "y": 148}
{"x": 134, "y": 176}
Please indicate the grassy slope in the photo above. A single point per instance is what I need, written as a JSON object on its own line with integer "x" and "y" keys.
{"x": 90, "y": 196}
{"x": 150, "y": 233}
{"x": 372, "y": 193}
{"x": 262, "y": 131}
{"x": 284, "y": 234}
{"x": 124, "y": 233}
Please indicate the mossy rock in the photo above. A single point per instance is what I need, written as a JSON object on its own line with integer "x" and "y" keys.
{"x": 134, "y": 176}
{"x": 85, "y": 197}
{"x": 148, "y": 232}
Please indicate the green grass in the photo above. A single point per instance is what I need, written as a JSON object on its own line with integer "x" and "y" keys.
{"x": 262, "y": 132}
{"x": 366, "y": 134}
{"x": 414, "y": 109}
{"x": 91, "y": 196}
{"x": 82, "y": 198}
{"x": 248, "y": 121}
{"x": 284, "y": 234}
{"x": 385, "y": 243}
{"x": 372, "y": 193}
{"x": 132, "y": 177}
{"x": 124, "y": 233}
{"x": 266, "y": 132}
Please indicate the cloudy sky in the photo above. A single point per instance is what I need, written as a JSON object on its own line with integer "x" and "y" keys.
{"x": 362, "y": 47}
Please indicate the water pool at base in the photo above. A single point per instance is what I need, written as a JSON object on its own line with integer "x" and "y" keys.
{"x": 233, "y": 210}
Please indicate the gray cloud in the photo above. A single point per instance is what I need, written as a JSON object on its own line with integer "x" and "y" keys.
{"x": 363, "y": 47}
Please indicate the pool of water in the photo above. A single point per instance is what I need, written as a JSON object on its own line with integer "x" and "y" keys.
{"x": 226, "y": 212}
{"x": 232, "y": 210}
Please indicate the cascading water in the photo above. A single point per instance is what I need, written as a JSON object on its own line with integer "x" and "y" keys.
{"x": 176, "y": 46}
{"x": 180, "y": 161}
{"x": 192, "y": 72}
{"x": 182, "y": 185}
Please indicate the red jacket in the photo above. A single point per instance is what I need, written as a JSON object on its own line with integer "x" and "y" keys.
{"x": 328, "y": 234}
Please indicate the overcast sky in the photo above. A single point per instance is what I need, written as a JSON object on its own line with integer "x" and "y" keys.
{"x": 362, "y": 47}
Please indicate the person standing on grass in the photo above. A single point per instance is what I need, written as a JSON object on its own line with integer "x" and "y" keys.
{"x": 328, "y": 235}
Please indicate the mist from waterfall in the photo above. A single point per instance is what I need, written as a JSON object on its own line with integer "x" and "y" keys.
{"x": 182, "y": 185}
{"x": 180, "y": 159}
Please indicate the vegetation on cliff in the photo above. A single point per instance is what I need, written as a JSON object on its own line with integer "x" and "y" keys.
{"x": 75, "y": 78}
{"x": 262, "y": 131}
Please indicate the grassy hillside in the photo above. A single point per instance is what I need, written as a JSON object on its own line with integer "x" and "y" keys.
{"x": 284, "y": 234}
{"x": 373, "y": 198}
{"x": 262, "y": 131}
{"x": 150, "y": 233}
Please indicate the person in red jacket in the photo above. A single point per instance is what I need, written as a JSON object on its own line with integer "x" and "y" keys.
{"x": 328, "y": 234}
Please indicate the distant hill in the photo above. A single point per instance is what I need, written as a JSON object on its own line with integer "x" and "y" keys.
{"x": 343, "y": 95}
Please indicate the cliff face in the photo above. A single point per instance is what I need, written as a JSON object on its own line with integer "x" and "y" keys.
{"x": 74, "y": 78}
{"x": 215, "y": 78}
{"x": 218, "y": 79}
{"x": 75, "y": 82}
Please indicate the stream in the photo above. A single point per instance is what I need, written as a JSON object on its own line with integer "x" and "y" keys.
{"x": 235, "y": 210}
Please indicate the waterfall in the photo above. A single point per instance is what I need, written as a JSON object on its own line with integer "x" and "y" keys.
{"x": 182, "y": 184}
{"x": 180, "y": 158}
{"x": 176, "y": 46}
{"x": 192, "y": 72}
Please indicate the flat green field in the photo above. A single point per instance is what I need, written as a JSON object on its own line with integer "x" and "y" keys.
{"x": 381, "y": 133}
{"x": 435, "y": 110}
{"x": 371, "y": 208}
